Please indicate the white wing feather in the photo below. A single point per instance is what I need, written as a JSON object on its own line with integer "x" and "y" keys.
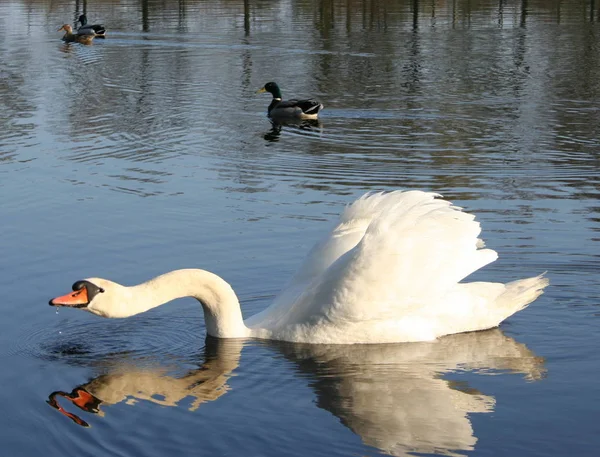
{"x": 387, "y": 249}
{"x": 345, "y": 235}
{"x": 390, "y": 271}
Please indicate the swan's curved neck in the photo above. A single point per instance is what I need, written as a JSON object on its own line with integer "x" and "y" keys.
{"x": 222, "y": 312}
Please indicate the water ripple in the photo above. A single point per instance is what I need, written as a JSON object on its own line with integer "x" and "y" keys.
{"x": 87, "y": 343}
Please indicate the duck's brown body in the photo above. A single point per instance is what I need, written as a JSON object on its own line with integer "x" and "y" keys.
{"x": 81, "y": 36}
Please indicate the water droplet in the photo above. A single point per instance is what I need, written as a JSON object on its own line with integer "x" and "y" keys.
{"x": 57, "y": 310}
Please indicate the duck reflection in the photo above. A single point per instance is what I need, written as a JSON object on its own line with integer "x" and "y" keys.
{"x": 301, "y": 126}
{"x": 393, "y": 395}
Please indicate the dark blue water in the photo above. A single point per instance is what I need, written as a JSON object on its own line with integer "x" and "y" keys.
{"x": 150, "y": 151}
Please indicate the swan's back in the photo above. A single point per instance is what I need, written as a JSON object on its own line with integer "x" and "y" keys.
{"x": 388, "y": 271}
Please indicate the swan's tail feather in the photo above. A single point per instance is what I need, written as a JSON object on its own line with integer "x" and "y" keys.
{"x": 518, "y": 294}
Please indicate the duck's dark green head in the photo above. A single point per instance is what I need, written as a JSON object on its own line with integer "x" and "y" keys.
{"x": 272, "y": 88}
{"x": 83, "y": 19}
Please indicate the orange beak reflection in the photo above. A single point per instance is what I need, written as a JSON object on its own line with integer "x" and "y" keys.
{"x": 75, "y": 299}
{"x": 80, "y": 398}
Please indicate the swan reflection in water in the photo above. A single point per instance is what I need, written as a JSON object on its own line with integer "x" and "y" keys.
{"x": 299, "y": 126}
{"x": 129, "y": 383}
{"x": 391, "y": 395}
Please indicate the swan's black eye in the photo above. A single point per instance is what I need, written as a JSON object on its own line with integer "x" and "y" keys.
{"x": 92, "y": 289}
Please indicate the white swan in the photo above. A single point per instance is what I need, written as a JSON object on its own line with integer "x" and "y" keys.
{"x": 389, "y": 271}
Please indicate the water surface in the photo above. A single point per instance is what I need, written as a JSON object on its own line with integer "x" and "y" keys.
{"x": 150, "y": 151}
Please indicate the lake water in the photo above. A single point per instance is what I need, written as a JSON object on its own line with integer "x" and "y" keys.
{"x": 150, "y": 151}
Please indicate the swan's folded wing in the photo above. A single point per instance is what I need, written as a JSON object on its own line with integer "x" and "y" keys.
{"x": 347, "y": 232}
{"x": 410, "y": 256}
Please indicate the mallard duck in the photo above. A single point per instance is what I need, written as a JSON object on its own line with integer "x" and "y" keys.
{"x": 80, "y": 36}
{"x": 290, "y": 109}
{"x": 98, "y": 29}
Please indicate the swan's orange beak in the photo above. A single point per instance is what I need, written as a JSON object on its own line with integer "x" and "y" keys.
{"x": 75, "y": 299}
